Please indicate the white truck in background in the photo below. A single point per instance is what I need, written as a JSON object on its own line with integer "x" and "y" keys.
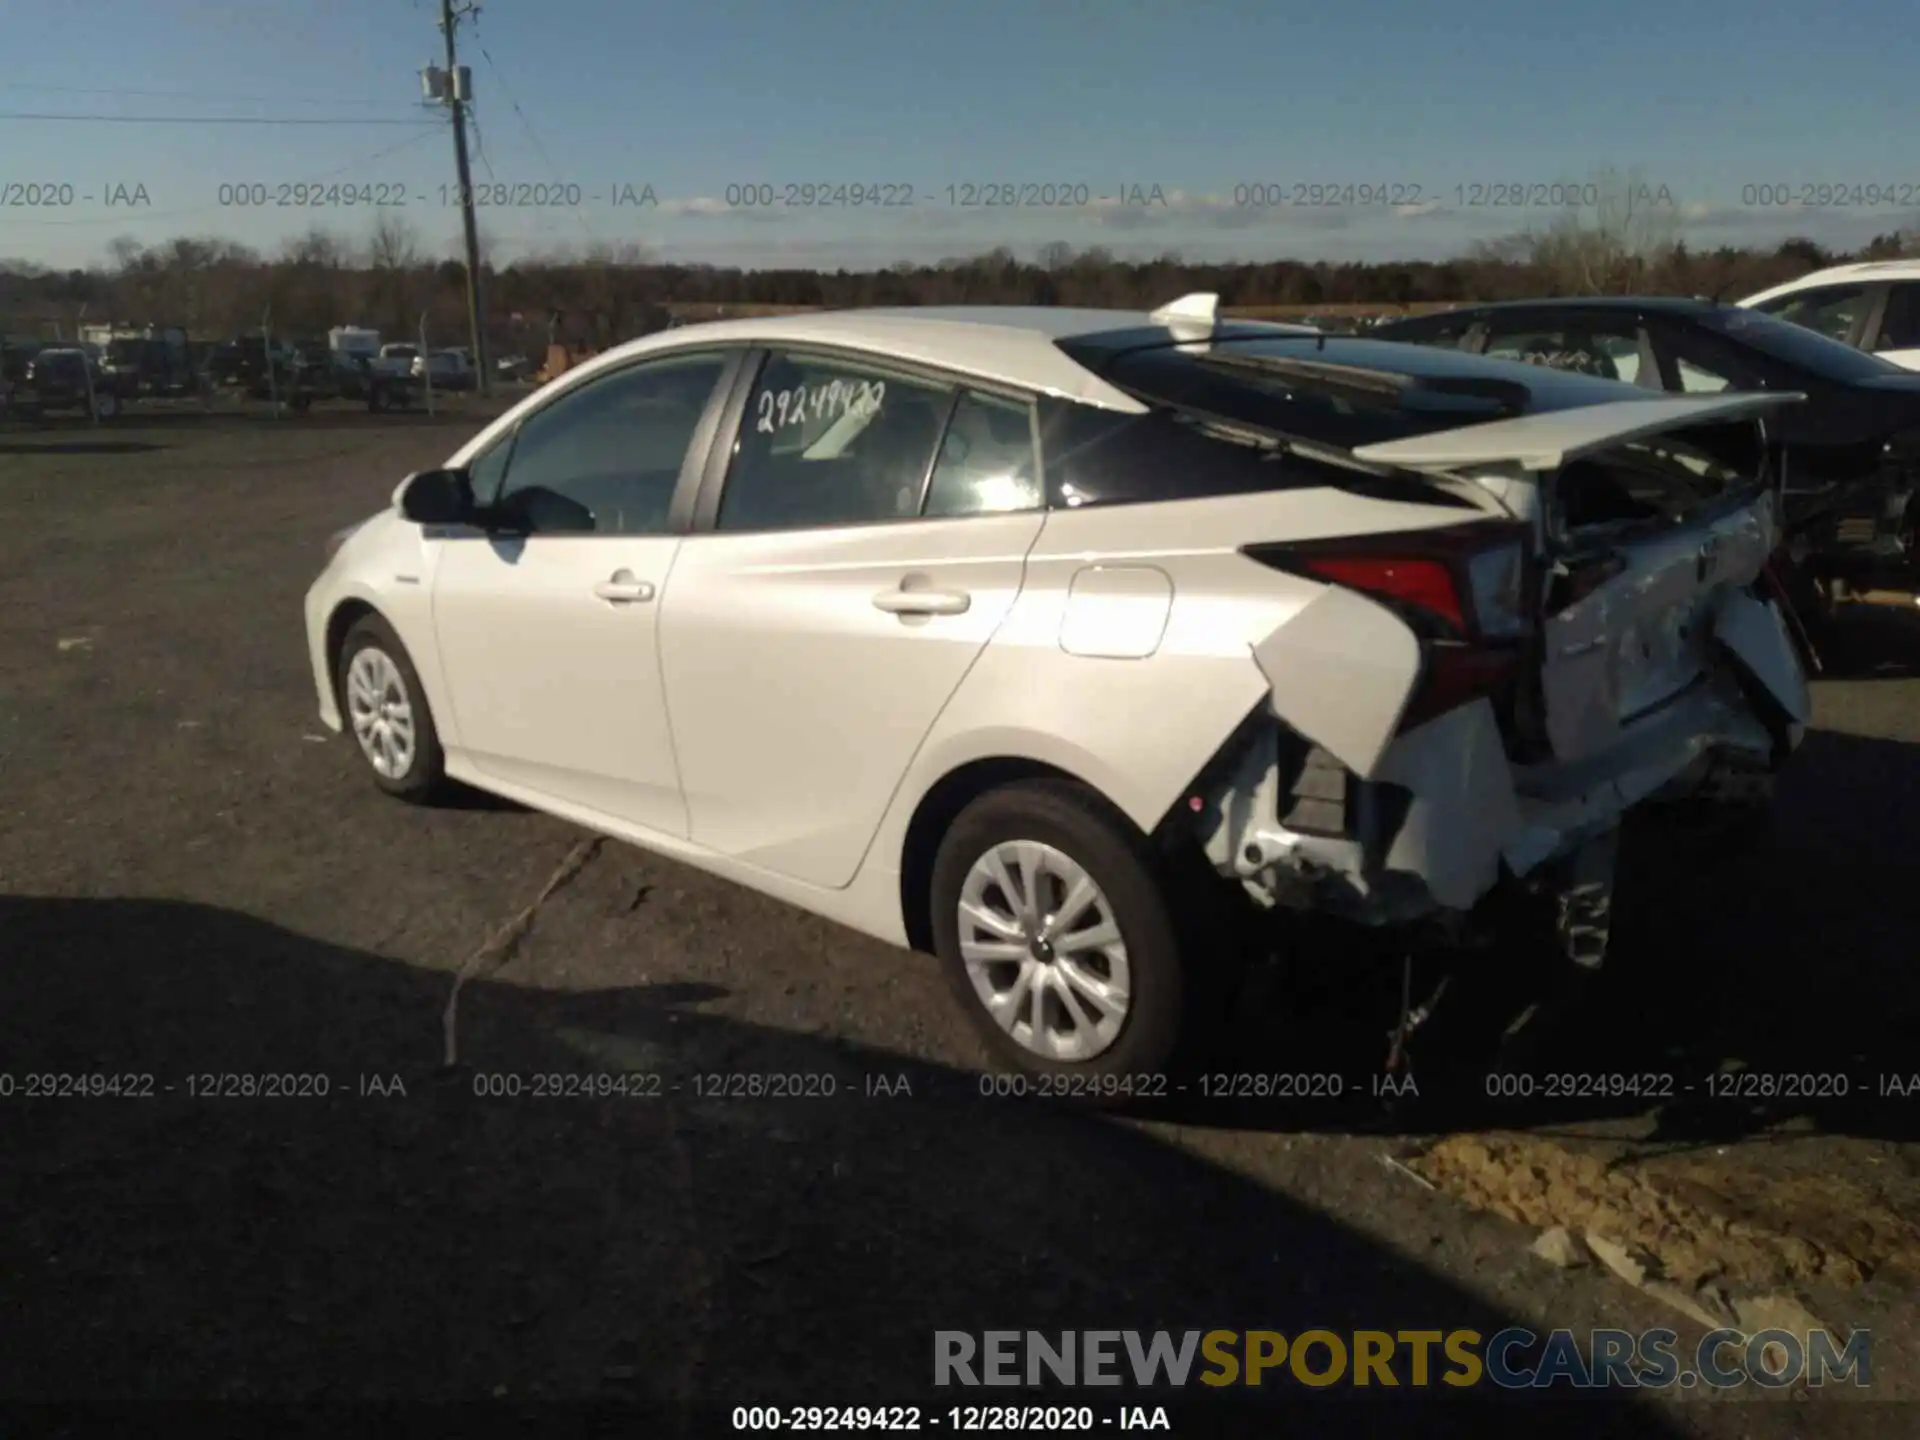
{"x": 353, "y": 342}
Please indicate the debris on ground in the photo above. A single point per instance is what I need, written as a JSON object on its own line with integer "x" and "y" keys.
{"x": 1693, "y": 1221}
{"x": 1755, "y": 1313}
{"x": 1402, "y": 1169}
{"x": 1706, "y": 1303}
{"x": 1558, "y": 1247}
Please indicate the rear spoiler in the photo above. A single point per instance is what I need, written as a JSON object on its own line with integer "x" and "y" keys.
{"x": 1548, "y": 440}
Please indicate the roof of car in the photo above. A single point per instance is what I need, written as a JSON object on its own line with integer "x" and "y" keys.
{"x": 1671, "y": 304}
{"x": 1011, "y": 344}
{"x": 1864, "y": 270}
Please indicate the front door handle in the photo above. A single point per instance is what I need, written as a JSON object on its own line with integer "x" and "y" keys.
{"x": 923, "y": 602}
{"x": 622, "y": 589}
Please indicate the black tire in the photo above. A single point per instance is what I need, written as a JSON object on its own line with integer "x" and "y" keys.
{"x": 1168, "y": 1013}
{"x": 106, "y": 405}
{"x": 425, "y": 776}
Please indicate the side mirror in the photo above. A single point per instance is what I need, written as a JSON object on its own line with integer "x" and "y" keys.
{"x": 436, "y": 497}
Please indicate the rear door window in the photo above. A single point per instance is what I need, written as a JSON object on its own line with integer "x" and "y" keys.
{"x": 1446, "y": 333}
{"x": 830, "y": 441}
{"x": 1900, "y": 325}
{"x": 1609, "y": 350}
{"x": 1829, "y": 310}
{"x": 986, "y": 462}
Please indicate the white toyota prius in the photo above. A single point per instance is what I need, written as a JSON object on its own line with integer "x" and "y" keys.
{"x": 1069, "y": 646}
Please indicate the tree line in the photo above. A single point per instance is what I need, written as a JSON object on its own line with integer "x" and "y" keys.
{"x": 388, "y": 280}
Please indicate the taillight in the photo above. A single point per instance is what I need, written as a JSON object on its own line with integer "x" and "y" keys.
{"x": 1466, "y": 591}
{"x": 1426, "y": 585}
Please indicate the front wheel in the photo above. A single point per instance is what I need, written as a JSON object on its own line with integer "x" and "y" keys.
{"x": 386, "y": 710}
{"x": 1056, "y": 924}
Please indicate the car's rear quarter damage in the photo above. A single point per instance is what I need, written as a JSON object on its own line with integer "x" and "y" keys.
{"x": 1398, "y": 776}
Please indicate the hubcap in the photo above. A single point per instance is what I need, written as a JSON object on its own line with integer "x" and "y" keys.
{"x": 1043, "y": 951}
{"x": 381, "y": 712}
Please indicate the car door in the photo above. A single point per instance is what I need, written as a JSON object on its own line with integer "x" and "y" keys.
{"x": 547, "y": 621}
{"x": 1898, "y": 335}
{"x": 856, "y": 545}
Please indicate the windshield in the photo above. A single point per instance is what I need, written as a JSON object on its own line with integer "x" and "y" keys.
{"x": 1796, "y": 345}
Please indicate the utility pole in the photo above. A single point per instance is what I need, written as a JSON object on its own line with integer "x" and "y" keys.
{"x": 454, "y": 89}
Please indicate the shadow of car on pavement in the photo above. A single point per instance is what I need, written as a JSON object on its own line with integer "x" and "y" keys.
{"x": 668, "y": 1252}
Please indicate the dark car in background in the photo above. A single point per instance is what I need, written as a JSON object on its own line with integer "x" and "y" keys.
{"x": 15, "y": 354}
{"x": 61, "y": 378}
{"x": 261, "y": 369}
{"x": 154, "y": 363}
{"x": 1848, "y": 460}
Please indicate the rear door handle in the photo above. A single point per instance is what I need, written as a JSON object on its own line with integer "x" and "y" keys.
{"x": 622, "y": 589}
{"x": 923, "y": 602}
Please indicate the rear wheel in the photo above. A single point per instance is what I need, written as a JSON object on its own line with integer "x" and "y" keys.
{"x": 386, "y": 711}
{"x": 106, "y": 405}
{"x": 1061, "y": 935}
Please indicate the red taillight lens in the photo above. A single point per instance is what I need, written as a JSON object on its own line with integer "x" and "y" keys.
{"x": 1469, "y": 592}
{"x": 1424, "y": 584}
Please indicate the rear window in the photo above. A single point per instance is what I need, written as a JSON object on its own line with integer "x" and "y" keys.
{"x": 1796, "y": 345}
{"x": 1216, "y": 381}
{"x": 1102, "y": 457}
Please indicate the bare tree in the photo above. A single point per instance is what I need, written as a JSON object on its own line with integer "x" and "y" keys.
{"x": 1609, "y": 243}
{"x": 394, "y": 286}
{"x": 394, "y": 244}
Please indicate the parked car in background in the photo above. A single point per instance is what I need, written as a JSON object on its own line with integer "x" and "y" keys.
{"x": 62, "y": 378}
{"x": 1080, "y": 648}
{"x": 447, "y": 369}
{"x": 513, "y": 367}
{"x": 275, "y": 370}
{"x": 149, "y": 361}
{"x": 396, "y": 359}
{"x": 1849, "y": 461}
{"x": 1872, "y": 306}
{"x": 354, "y": 340}
{"x": 15, "y": 353}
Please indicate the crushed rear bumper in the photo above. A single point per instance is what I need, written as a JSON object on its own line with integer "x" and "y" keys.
{"x": 1443, "y": 814}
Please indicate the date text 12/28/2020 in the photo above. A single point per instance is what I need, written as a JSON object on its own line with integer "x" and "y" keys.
{"x": 397, "y": 195}
{"x": 960, "y": 1419}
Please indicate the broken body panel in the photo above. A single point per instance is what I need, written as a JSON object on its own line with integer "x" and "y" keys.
{"x": 1670, "y": 663}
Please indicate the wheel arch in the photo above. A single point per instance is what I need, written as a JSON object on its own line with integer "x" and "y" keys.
{"x": 349, "y": 612}
{"x": 941, "y": 805}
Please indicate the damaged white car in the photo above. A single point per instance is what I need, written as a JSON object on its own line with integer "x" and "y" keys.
{"x": 1063, "y": 644}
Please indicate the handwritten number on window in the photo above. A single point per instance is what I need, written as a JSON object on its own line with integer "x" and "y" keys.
{"x": 778, "y": 410}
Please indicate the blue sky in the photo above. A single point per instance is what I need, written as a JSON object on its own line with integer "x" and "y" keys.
{"x": 1718, "y": 110}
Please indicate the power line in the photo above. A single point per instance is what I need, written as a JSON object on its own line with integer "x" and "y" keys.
{"x": 527, "y": 125}
{"x": 174, "y": 94}
{"x": 205, "y": 119}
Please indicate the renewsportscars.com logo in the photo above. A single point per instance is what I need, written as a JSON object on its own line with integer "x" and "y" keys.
{"x": 1510, "y": 1359}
